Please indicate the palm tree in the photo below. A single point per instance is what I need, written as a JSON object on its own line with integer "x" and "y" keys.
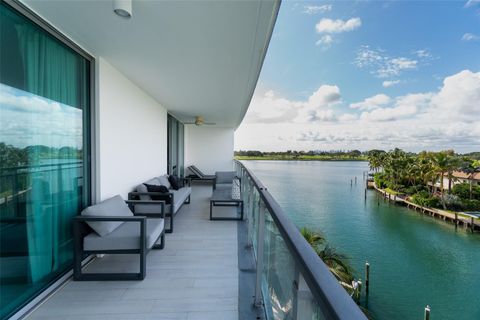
{"x": 427, "y": 170}
{"x": 444, "y": 162}
{"x": 470, "y": 167}
{"x": 376, "y": 159}
{"x": 313, "y": 238}
{"x": 337, "y": 263}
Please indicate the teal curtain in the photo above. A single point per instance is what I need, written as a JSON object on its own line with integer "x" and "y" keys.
{"x": 44, "y": 86}
{"x": 54, "y": 72}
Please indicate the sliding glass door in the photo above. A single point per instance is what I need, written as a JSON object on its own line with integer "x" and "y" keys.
{"x": 175, "y": 147}
{"x": 44, "y": 152}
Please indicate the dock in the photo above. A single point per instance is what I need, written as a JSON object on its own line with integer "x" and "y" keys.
{"x": 464, "y": 219}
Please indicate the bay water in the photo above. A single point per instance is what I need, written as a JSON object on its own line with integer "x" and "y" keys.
{"x": 415, "y": 260}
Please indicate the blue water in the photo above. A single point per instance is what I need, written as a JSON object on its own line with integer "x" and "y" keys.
{"x": 415, "y": 260}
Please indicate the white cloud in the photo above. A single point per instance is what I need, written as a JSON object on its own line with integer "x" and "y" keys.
{"x": 347, "y": 117}
{"x": 405, "y": 106}
{"x": 372, "y": 103}
{"x": 270, "y": 108}
{"x": 325, "y": 41}
{"x": 423, "y": 53}
{"x": 459, "y": 97}
{"x": 381, "y": 64}
{"x": 325, "y": 96}
{"x": 337, "y": 26}
{"x": 445, "y": 118}
{"x": 470, "y": 37}
{"x": 389, "y": 114}
{"x": 471, "y": 3}
{"x": 314, "y": 9}
{"x": 393, "y": 67}
{"x": 55, "y": 124}
{"x": 390, "y": 83}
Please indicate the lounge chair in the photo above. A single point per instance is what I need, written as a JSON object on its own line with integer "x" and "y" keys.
{"x": 110, "y": 227}
{"x": 199, "y": 175}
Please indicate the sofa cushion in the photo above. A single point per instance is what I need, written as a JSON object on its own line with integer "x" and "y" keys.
{"x": 162, "y": 189}
{"x": 164, "y": 181}
{"x": 154, "y": 181}
{"x": 143, "y": 188}
{"x": 150, "y": 208}
{"x": 127, "y": 236}
{"x": 175, "y": 182}
{"x": 115, "y": 206}
{"x": 179, "y": 197}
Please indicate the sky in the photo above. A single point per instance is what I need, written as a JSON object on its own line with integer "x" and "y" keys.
{"x": 27, "y": 120}
{"x": 343, "y": 75}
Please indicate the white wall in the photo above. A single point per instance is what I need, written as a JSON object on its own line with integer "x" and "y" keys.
{"x": 209, "y": 148}
{"x": 131, "y": 144}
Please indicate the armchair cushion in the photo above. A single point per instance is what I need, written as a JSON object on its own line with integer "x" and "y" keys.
{"x": 115, "y": 206}
{"x": 126, "y": 236}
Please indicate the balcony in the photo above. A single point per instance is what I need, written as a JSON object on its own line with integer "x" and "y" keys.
{"x": 143, "y": 81}
{"x": 194, "y": 277}
{"x": 208, "y": 271}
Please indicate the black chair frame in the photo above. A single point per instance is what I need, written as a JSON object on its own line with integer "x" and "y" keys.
{"x": 80, "y": 229}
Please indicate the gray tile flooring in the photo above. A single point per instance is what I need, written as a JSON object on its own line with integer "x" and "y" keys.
{"x": 194, "y": 278}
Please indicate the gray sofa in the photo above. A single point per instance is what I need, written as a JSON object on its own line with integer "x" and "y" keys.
{"x": 110, "y": 227}
{"x": 176, "y": 198}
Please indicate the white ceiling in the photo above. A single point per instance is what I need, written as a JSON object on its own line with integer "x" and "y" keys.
{"x": 194, "y": 57}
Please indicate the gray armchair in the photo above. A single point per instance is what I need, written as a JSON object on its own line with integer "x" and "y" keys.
{"x": 110, "y": 227}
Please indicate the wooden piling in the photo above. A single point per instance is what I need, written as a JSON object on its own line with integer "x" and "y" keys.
{"x": 427, "y": 313}
{"x": 367, "y": 276}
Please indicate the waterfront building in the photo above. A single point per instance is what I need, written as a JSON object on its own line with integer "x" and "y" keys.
{"x": 96, "y": 97}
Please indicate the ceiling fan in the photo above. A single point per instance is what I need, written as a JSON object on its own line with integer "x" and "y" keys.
{"x": 199, "y": 121}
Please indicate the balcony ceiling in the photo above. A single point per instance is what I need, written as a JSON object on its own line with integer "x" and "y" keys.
{"x": 194, "y": 57}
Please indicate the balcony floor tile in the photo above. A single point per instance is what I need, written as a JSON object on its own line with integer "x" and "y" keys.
{"x": 194, "y": 278}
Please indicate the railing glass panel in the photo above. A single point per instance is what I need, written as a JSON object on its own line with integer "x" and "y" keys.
{"x": 292, "y": 281}
{"x": 278, "y": 273}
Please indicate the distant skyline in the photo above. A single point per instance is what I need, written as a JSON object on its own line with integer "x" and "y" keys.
{"x": 369, "y": 74}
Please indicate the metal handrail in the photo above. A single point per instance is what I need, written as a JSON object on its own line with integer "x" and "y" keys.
{"x": 332, "y": 299}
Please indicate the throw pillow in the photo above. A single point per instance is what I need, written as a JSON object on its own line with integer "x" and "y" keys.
{"x": 111, "y": 207}
{"x": 162, "y": 189}
{"x": 175, "y": 182}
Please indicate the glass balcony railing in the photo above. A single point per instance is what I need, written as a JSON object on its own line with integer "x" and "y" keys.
{"x": 292, "y": 282}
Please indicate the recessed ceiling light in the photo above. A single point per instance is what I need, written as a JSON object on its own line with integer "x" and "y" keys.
{"x": 123, "y": 8}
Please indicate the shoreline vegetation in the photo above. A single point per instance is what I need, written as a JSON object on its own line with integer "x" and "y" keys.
{"x": 440, "y": 183}
{"x": 289, "y": 155}
{"x": 318, "y": 155}
{"x": 338, "y": 264}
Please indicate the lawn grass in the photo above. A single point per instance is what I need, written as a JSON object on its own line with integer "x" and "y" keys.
{"x": 392, "y": 192}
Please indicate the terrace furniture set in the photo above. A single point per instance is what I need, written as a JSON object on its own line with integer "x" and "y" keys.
{"x": 115, "y": 226}
{"x": 134, "y": 226}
